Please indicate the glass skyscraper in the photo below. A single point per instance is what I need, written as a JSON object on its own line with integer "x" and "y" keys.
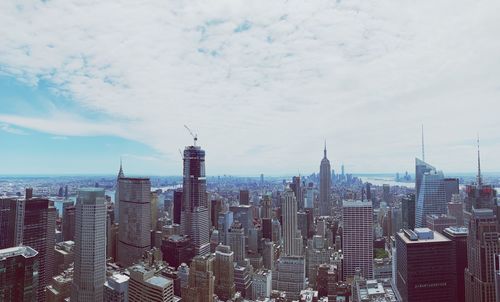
{"x": 431, "y": 197}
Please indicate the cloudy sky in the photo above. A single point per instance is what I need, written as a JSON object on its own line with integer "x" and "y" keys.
{"x": 263, "y": 83}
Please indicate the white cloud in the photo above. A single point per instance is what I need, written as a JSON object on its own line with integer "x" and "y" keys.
{"x": 279, "y": 74}
{"x": 9, "y": 129}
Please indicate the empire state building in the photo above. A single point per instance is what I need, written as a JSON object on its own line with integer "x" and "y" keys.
{"x": 325, "y": 182}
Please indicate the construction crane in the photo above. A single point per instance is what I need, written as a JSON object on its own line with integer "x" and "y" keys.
{"x": 194, "y": 135}
{"x": 180, "y": 152}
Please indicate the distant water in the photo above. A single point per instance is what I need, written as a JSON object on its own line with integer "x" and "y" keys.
{"x": 382, "y": 180}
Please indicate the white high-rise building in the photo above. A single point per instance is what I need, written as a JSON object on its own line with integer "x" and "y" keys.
{"x": 90, "y": 246}
{"x": 292, "y": 240}
{"x": 357, "y": 236}
{"x": 261, "y": 284}
{"x": 134, "y": 230}
{"x": 236, "y": 240}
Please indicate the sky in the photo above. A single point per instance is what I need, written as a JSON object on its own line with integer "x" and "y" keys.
{"x": 262, "y": 83}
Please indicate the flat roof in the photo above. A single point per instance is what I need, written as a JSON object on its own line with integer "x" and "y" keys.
{"x": 159, "y": 281}
{"x": 24, "y": 251}
{"x": 356, "y": 203}
{"x": 437, "y": 238}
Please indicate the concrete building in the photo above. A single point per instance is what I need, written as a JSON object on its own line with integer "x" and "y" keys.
{"x": 201, "y": 280}
{"x": 19, "y": 274}
{"x": 224, "y": 272}
{"x": 90, "y": 246}
{"x": 376, "y": 290}
{"x": 440, "y": 222}
{"x": 425, "y": 270}
{"x": 177, "y": 250}
{"x": 357, "y": 236}
{"x": 60, "y": 288}
{"x": 144, "y": 285}
{"x": 116, "y": 288}
{"x": 289, "y": 275}
{"x": 236, "y": 240}
{"x": 317, "y": 252}
{"x": 261, "y": 284}
{"x": 134, "y": 231}
{"x": 64, "y": 256}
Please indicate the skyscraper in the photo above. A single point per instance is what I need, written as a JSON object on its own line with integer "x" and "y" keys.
{"x": 19, "y": 274}
{"x": 244, "y": 197}
{"x": 297, "y": 190}
{"x": 289, "y": 275}
{"x": 224, "y": 272}
{"x": 357, "y": 236}
{"x": 8, "y": 212}
{"x": 177, "y": 205}
{"x": 421, "y": 167}
{"x": 90, "y": 246}
{"x": 194, "y": 213}
{"x": 431, "y": 198}
{"x": 236, "y": 240}
{"x": 425, "y": 266}
{"x": 292, "y": 241}
{"x": 482, "y": 245}
{"x": 325, "y": 183}
{"x": 458, "y": 237}
{"x": 68, "y": 223}
{"x": 200, "y": 285}
{"x": 117, "y": 191}
{"x": 451, "y": 186}
{"x": 134, "y": 236}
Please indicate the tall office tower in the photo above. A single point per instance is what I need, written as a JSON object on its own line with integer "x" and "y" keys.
{"x": 458, "y": 237}
{"x": 310, "y": 196}
{"x": 267, "y": 207}
{"x": 289, "y": 275}
{"x": 327, "y": 279}
{"x": 177, "y": 250}
{"x": 194, "y": 212}
{"x": 431, "y": 198}
{"x": 134, "y": 235}
{"x": 224, "y": 272}
{"x": 51, "y": 241}
{"x": 90, "y": 246}
{"x": 408, "y": 211}
{"x": 236, "y": 240}
{"x": 456, "y": 209}
{"x": 302, "y": 224}
{"x": 425, "y": 266}
{"x": 386, "y": 194}
{"x": 154, "y": 210}
{"x": 200, "y": 285}
{"x": 357, "y": 236}
{"x": 243, "y": 278}
{"x": 68, "y": 223}
{"x": 117, "y": 191}
{"x": 244, "y": 197}
{"x": 35, "y": 235}
{"x": 482, "y": 245}
{"x": 421, "y": 167}
{"x": 368, "y": 189}
{"x": 177, "y": 205}
{"x": 216, "y": 208}
{"x": 268, "y": 254}
{"x": 297, "y": 190}
{"x": 497, "y": 277}
{"x": 317, "y": 253}
{"x": 244, "y": 214}
{"x": 19, "y": 273}
{"x": 224, "y": 223}
{"x": 450, "y": 188}
{"x": 292, "y": 241}
{"x": 8, "y": 212}
{"x": 325, "y": 183}
{"x": 261, "y": 179}
{"x": 261, "y": 284}
{"x": 116, "y": 288}
{"x": 145, "y": 286}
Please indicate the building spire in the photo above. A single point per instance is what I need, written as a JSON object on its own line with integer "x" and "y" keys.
{"x": 120, "y": 173}
{"x": 479, "y": 178}
{"x": 423, "y": 150}
{"x": 324, "y": 152}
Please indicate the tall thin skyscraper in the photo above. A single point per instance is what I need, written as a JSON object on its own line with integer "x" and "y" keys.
{"x": 236, "y": 240}
{"x": 194, "y": 213}
{"x": 117, "y": 192}
{"x": 90, "y": 246}
{"x": 134, "y": 233}
{"x": 297, "y": 190}
{"x": 292, "y": 240}
{"x": 421, "y": 167}
{"x": 325, "y": 183}
{"x": 357, "y": 235}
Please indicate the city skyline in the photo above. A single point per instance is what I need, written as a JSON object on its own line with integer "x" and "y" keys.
{"x": 361, "y": 76}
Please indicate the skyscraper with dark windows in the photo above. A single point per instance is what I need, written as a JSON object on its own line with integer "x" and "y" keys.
{"x": 19, "y": 273}
{"x": 177, "y": 205}
{"x": 408, "y": 211}
{"x": 134, "y": 230}
{"x": 244, "y": 197}
{"x": 451, "y": 186}
{"x": 194, "y": 212}
{"x": 297, "y": 190}
{"x": 325, "y": 183}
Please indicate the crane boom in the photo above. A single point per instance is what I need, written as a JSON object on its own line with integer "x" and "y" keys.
{"x": 194, "y": 135}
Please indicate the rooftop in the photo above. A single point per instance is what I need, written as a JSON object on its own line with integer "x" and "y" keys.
{"x": 356, "y": 204}
{"x": 159, "y": 281}
{"x": 421, "y": 235}
{"x": 25, "y": 251}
